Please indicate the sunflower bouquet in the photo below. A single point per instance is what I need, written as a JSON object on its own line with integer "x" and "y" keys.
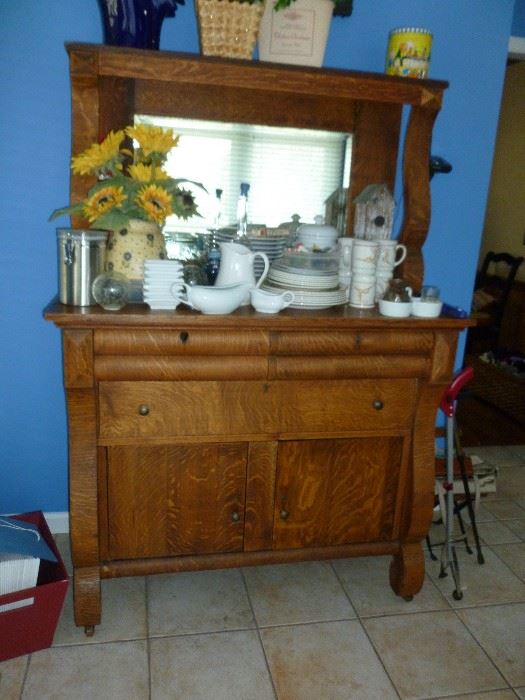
{"x": 131, "y": 184}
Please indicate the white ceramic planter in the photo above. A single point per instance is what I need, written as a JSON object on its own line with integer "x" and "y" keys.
{"x": 297, "y": 34}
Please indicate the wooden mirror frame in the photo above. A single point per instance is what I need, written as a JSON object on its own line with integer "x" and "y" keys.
{"x": 109, "y": 85}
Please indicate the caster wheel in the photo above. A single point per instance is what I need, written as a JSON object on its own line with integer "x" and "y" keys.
{"x": 457, "y": 595}
{"x": 89, "y": 630}
{"x": 481, "y": 559}
{"x": 408, "y": 598}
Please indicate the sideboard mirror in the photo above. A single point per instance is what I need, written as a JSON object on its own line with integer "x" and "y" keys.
{"x": 110, "y": 85}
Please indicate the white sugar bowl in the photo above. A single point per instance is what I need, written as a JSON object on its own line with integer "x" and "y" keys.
{"x": 318, "y": 236}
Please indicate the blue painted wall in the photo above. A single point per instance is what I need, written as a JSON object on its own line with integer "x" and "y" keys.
{"x": 470, "y": 47}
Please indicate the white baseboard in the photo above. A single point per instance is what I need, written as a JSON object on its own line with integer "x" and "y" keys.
{"x": 58, "y": 522}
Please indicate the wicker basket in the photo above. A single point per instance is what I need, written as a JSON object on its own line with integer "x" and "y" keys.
{"x": 498, "y": 387}
{"x": 228, "y": 29}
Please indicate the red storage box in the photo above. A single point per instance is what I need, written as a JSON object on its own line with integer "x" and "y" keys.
{"x": 32, "y": 627}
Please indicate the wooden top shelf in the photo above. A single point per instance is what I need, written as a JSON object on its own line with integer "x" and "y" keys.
{"x": 168, "y": 66}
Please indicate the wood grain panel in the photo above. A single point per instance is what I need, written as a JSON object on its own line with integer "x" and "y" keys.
{"x": 345, "y": 405}
{"x": 185, "y": 409}
{"x": 374, "y": 150}
{"x": 260, "y": 488}
{"x": 83, "y": 485}
{"x": 155, "y": 367}
{"x": 180, "y": 68}
{"x": 78, "y": 359}
{"x": 347, "y": 367}
{"x": 133, "y": 341}
{"x": 443, "y": 356}
{"x": 385, "y": 342}
{"x": 331, "y": 492}
{"x": 416, "y": 184}
{"x": 178, "y": 499}
{"x": 237, "y": 408}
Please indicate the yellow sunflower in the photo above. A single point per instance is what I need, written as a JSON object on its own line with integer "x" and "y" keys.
{"x": 146, "y": 173}
{"x": 152, "y": 139}
{"x": 98, "y": 155}
{"x": 155, "y": 201}
{"x": 102, "y": 201}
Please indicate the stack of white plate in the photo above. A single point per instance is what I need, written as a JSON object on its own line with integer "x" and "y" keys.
{"x": 313, "y": 288}
{"x": 162, "y": 283}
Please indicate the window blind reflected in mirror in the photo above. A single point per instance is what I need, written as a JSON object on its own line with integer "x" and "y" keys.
{"x": 290, "y": 171}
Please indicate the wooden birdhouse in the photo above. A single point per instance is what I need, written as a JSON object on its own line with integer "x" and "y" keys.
{"x": 374, "y": 213}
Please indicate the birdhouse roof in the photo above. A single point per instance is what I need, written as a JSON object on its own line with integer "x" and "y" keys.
{"x": 372, "y": 192}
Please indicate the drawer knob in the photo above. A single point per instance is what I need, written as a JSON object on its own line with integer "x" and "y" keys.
{"x": 284, "y": 514}
{"x": 184, "y": 335}
{"x": 143, "y": 409}
{"x": 377, "y": 404}
{"x": 236, "y": 516}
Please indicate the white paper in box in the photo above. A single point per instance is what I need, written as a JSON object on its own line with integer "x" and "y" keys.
{"x": 21, "y": 549}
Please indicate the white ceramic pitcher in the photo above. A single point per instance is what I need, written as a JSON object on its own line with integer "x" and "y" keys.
{"x": 237, "y": 267}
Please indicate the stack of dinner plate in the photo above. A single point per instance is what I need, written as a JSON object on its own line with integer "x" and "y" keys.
{"x": 163, "y": 281}
{"x": 315, "y": 285}
{"x": 273, "y": 245}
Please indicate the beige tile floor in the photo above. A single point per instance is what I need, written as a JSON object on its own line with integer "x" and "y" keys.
{"x": 316, "y": 630}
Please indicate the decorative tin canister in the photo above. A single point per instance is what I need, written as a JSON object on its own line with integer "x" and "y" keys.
{"x": 408, "y": 52}
{"x": 81, "y": 258}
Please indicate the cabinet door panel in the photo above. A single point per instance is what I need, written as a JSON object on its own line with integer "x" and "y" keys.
{"x": 176, "y": 499}
{"x": 331, "y": 492}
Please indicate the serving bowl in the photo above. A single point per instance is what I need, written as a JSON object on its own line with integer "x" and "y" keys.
{"x": 217, "y": 300}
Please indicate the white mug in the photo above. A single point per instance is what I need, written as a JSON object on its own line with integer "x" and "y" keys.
{"x": 391, "y": 254}
{"x": 270, "y": 302}
{"x": 364, "y": 256}
{"x": 383, "y": 277}
{"x": 362, "y": 291}
{"x": 344, "y": 245}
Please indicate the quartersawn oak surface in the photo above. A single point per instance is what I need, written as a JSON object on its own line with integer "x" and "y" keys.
{"x": 216, "y": 441}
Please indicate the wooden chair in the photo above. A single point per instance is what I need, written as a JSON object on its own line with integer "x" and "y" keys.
{"x": 491, "y": 292}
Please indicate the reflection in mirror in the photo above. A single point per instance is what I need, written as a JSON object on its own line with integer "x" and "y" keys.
{"x": 290, "y": 171}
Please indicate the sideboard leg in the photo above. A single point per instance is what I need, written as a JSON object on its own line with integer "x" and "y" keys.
{"x": 407, "y": 570}
{"x": 87, "y": 599}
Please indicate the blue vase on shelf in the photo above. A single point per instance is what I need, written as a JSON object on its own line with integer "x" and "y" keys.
{"x": 135, "y": 23}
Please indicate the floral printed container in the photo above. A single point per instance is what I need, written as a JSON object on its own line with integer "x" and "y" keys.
{"x": 408, "y": 52}
{"x": 128, "y": 247}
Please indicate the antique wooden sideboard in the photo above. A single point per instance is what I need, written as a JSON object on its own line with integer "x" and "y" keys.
{"x": 217, "y": 441}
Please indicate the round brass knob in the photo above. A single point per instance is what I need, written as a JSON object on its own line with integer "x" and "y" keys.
{"x": 236, "y": 516}
{"x": 377, "y": 404}
{"x": 143, "y": 409}
{"x": 284, "y": 514}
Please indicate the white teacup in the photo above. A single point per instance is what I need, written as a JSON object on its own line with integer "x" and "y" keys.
{"x": 362, "y": 291}
{"x": 391, "y": 254}
{"x": 364, "y": 256}
{"x": 270, "y": 302}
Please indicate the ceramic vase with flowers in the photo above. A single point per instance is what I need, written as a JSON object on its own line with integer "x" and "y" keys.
{"x": 132, "y": 197}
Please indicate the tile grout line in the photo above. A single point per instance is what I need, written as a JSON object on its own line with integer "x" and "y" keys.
{"x": 148, "y": 640}
{"x": 258, "y": 631}
{"x": 365, "y": 632}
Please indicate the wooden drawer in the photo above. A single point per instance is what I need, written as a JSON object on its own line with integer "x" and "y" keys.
{"x": 134, "y": 411}
{"x": 141, "y": 342}
{"x": 323, "y": 343}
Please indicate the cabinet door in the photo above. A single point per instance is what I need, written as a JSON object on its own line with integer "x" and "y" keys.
{"x": 175, "y": 499}
{"x": 331, "y": 492}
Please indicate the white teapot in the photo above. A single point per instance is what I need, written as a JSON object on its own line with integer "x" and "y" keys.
{"x": 237, "y": 267}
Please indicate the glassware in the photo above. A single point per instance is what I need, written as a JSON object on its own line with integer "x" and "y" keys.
{"x": 111, "y": 290}
{"x": 242, "y": 212}
{"x": 398, "y": 291}
{"x": 430, "y": 293}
